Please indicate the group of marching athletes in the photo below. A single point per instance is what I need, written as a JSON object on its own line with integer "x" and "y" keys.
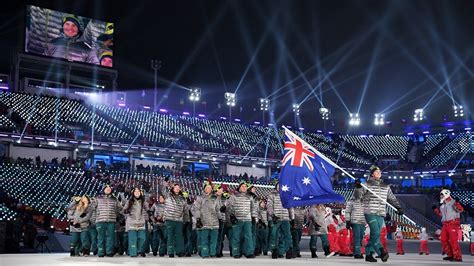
{"x": 174, "y": 225}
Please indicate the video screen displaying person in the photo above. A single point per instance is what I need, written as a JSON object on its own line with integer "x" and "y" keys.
{"x": 74, "y": 38}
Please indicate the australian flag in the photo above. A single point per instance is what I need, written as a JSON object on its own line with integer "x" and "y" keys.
{"x": 305, "y": 177}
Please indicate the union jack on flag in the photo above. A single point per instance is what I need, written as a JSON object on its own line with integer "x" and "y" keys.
{"x": 297, "y": 152}
{"x": 305, "y": 175}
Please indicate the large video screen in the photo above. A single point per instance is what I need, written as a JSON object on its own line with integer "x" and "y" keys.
{"x": 68, "y": 36}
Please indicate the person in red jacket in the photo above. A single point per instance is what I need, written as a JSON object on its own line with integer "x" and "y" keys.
{"x": 399, "y": 238}
{"x": 423, "y": 242}
{"x": 344, "y": 236}
{"x": 449, "y": 210}
{"x": 332, "y": 223}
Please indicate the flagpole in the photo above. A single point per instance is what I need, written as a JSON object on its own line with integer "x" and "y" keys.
{"x": 345, "y": 172}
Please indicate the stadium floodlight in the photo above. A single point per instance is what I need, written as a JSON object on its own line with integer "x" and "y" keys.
{"x": 418, "y": 115}
{"x": 354, "y": 119}
{"x": 195, "y": 94}
{"x": 296, "y": 109}
{"x": 379, "y": 119}
{"x": 458, "y": 111}
{"x": 230, "y": 98}
{"x": 324, "y": 112}
{"x": 264, "y": 104}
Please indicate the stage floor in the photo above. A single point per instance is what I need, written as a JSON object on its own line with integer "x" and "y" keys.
{"x": 64, "y": 259}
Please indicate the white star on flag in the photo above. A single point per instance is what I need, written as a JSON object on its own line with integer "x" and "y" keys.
{"x": 306, "y": 181}
{"x": 296, "y": 198}
{"x": 285, "y": 188}
{"x": 311, "y": 197}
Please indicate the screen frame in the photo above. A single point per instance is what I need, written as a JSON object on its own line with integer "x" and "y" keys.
{"x": 23, "y": 48}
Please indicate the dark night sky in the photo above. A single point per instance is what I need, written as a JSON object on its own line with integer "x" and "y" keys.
{"x": 209, "y": 44}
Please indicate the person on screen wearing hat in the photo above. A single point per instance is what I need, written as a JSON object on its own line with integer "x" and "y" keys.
{"x": 242, "y": 213}
{"x": 106, "y": 59}
{"x": 374, "y": 210}
{"x": 70, "y": 44}
{"x": 107, "y": 207}
{"x": 106, "y": 39}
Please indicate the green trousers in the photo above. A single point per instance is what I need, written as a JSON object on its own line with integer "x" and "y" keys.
{"x": 80, "y": 240}
{"x": 262, "y": 239}
{"x": 136, "y": 240}
{"x": 358, "y": 230}
{"x": 187, "y": 234}
{"x": 281, "y": 232}
{"x": 254, "y": 235}
{"x": 158, "y": 243}
{"x": 314, "y": 241}
{"x": 92, "y": 231}
{"x": 146, "y": 246}
{"x": 174, "y": 237}
{"x": 208, "y": 240}
{"x": 220, "y": 238}
{"x": 296, "y": 237}
{"x": 121, "y": 242}
{"x": 198, "y": 241}
{"x": 375, "y": 223}
{"x": 105, "y": 238}
{"x": 242, "y": 230}
{"x": 227, "y": 233}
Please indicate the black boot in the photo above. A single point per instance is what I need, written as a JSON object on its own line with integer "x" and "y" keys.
{"x": 358, "y": 256}
{"x": 257, "y": 252}
{"x": 369, "y": 258}
{"x": 313, "y": 253}
{"x": 383, "y": 255}
{"x": 448, "y": 258}
{"x": 274, "y": 254}
{"x": 85, "y": 252}
{"x": 289, "y": 254}
{"x": 72, "y": 252}
{"x": 326, "y": 251}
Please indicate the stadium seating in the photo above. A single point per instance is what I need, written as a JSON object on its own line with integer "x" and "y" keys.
{"x": 380, "y": 145}
{"x": 6, "y": 214}
{"x": 432, "y": 141}
{"x": 461, "y": 144}
{"x": 6, "y": 124}
{"x": 48, "y": 115}
{"x": 46, "y": 189}
{"x": 466, "y": 197}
